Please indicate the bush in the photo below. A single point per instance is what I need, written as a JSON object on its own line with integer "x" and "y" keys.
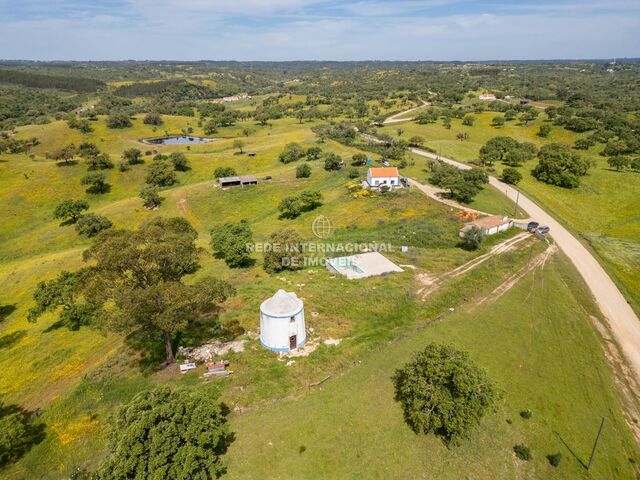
{"x": 511, "y": 176}
{"x": 150, "y": 196}
{"x": 468, "y": 120}
{"x": 522, "y": 452}
{"x": 288, "y": 255}
{"x": 332, "y": 162}
{"x": 153, "y": 118}
{"x": 358, "y": 159}
{"x": 91, "y": 224}
{"x": 132, "y": 156}
{"x": 119, "y": 120}
{"x": 224, "y": 172}
{"x": 554, "y": 459}
{"x": 99, "y": 162}
{"x": 443, "y": 392}
{"x": 97, "y": 182}
{"x": 473, "y": 238}
{"x": 291, "y": 207}
{"x": 354, "y": 173}
{"x": 545, "y": 130}
{"x": 291, "y": 153}
{"x": 179, "y": 161}
{"x": 229, "y": 242}
{"x": 526, "y": 414}
{"x": 19, "y": 431}
{"x": 161, "y": 174}
{"x": 124, "y": 166}
{"x": 303, "y": 171}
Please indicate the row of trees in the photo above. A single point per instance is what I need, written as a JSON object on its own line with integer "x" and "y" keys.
{"x": 462, "y": 185}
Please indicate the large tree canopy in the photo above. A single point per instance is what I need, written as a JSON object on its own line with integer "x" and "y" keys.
{"x": 443, "y": 392}
{"x": 166, "y": 433}
{"x": 559, "y": 166}
{"x": 134, "y": 284}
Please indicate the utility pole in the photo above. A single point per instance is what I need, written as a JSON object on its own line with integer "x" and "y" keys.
{"x": 515, "y": 211}
{"x": 595, "y": 444}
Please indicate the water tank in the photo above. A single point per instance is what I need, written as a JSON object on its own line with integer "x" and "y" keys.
{"x": 282, "y": 327}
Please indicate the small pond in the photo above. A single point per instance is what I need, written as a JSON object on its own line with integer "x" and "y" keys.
{"x": 179, "y": 140}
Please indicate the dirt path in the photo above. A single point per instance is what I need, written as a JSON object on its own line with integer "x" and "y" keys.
{"x": 394, "y": 118}
{"x": 428, "y": 283}
{"x": 438, "y": 194}
{"x": 622, "y": 320}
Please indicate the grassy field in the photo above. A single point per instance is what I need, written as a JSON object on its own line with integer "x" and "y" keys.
{"x": 77, "y": 379}
{"x": 351, "y": 427}
{"x": 605, "y": 215}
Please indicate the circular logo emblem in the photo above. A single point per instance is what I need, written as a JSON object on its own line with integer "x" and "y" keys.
{"x": 322, "y": 227}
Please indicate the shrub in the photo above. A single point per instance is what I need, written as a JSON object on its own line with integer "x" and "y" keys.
{"x": 473, "y": 238}
{"x": 288, "y": 255}
{"x": 229, "y": 242}
{"x": 303, "y": 171}
{"x": 153, "y": 118}
{"x": 358, "y": 159}
{"x": 224, "y": 172}
{"x": 291, "y": 153}
{"x": 179, "y": 161}
{"x": 161, "y": 174}
{"x": 99, "y": 162}
{"x": 91, "y": 224}
{"x": 526, "y": 414}
{"x": 443, "y": 392}
{"x": 150, "y": 196}
{"x": 124, "y": 166}
{"x": 511, "y": 176}
{"x": 468, "y": 120}
{"x": 119, "y": 120}
{"x": 132, "y": 156}
{"x": 354, "y": 173}
{"x": 554, "y": 459}
{"x": 522, "y": 452}
{"x": 97, "y": 182}
{"x": 332, "y": 162}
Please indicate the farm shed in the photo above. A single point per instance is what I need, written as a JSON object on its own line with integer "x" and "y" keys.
{"x": 241, "y": 181}
{"x": 362, "y": 265}
{"x": 282, "y": 326}
{"x": 490, "y": 225}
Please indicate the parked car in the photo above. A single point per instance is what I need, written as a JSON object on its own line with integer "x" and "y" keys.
{"x": 531, "y": 226}
{"x": 544, "y": 229}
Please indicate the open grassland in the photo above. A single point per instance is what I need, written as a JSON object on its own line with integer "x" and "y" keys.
{"x": 77, "y": 378}
{"x": 604, "y": 210}
{"x": 350, "y": 427}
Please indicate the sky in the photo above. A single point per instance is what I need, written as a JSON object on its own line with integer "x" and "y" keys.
{"x": 276, "y": 30}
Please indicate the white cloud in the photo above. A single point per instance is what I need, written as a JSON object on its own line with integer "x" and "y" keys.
{"x": 199, "y": 29}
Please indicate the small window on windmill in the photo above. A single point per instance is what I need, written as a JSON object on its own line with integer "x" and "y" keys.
{"x": 292, "y": 320}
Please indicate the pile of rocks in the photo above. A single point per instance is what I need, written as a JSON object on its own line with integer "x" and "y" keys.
{"x": 206, "y": 352}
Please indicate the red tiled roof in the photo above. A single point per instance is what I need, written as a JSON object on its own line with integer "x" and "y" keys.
{"x": 384, "y": 172}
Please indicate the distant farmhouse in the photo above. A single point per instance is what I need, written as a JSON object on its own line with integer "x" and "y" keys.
{"x": 383, "y": 176}
{"x": 241, "y": 181}
{"x": 489, "y": 225}
{"x": 232, "y": 98}
{"x": 487, "y": 96}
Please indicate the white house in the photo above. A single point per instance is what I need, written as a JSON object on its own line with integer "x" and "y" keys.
{"x": 487, "y": 96}
{"x": 282, "y": 326}
{"x": 490, "y": 225}
{"x": 379, "y": 176}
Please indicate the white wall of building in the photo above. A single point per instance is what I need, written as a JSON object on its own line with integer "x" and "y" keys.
{"x": 276, "y": 331}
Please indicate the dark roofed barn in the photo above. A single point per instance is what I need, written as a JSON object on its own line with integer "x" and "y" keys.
{"x": 241, "y": 181}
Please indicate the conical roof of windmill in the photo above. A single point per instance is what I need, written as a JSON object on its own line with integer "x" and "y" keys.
{"x": 282, "y": 304}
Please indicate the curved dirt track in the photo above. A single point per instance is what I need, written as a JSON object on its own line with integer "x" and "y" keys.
{"x": 622, "y": 319}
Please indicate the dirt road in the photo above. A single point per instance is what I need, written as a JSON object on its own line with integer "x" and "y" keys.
{"x": 395, "y": 119}
{"x": 623, "y": 321}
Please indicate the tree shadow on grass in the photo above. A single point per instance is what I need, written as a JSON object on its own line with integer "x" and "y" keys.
{"x": 11, "y": 339}
{"x": 21, "y": 432}
{"x": 68, "y": 163}
{"x": 95, "y": 190}
{"x": 570, "y": 450}
{"x": 6, "y": 310}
